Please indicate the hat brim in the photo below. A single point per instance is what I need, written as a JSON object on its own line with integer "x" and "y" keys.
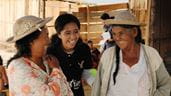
{"x": 121, "y": 22}
{"x": 43, "y": 23}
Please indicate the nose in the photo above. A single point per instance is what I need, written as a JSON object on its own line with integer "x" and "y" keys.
{"x": 73, "y": 35}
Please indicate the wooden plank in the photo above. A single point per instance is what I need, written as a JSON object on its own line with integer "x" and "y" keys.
{"x": 92, "y": 28}
{"x": 96, "y": 28}
{"x": 95, "y": 19}
{"x": 73, "y": 7}
{"x": 64, "y": 6}
{"x": 9, "y": 13}
{"x": 26, "y": 7}
{"x": 33, "y": 7}
{"x": 108, "y": 7}
{"x": 72, "y": 1}
{"x": 88, "y": 18}
{"x": 52, "y": 10}
{"x": 83, "y": 28}
{"x": 94, "y": 35}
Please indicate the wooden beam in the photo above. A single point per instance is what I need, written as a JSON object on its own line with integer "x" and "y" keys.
{"x": 148, "y": 21}
{"x": 108, "y": 7}
{"x": 88, "y": 20}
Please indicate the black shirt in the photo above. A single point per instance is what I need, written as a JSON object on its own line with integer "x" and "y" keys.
{"x": 73, "y": 64}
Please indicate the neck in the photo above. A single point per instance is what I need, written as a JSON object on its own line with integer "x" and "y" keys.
{"x": 69, "y": 51}
{"x": 132, "y": 49}
{"x": 36, "y": 60}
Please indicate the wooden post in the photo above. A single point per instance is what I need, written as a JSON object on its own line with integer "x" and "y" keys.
{"x": 26, "y": 7}
{"x": 148, "y": 21}
{"x": 44, "y": 8}
{"x": 88, "y": 22}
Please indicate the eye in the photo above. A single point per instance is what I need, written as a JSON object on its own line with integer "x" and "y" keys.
{"x": 67, "y": 32}
{"x": 121, "y": 33}
{"x": 76, "y": 31}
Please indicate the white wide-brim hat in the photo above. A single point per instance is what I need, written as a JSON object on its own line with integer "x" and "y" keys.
{"x": 122, "y": 17}
{"x": 27, "y": 25}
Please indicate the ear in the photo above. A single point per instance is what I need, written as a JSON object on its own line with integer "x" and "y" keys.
{"x": 31, "y": 43}
{"x": 135, "y": 31}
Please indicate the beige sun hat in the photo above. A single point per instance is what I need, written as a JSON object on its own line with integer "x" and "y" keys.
{"x": 27, "y": 25}
{"x": 122, "y": 17}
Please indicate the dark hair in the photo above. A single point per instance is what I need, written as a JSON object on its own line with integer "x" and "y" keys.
{"x": 138, "y": 39}
{"x": 23, "y": 46}
{"x": 64, "y": 19}
{"x": 117, "y": 49}
{"x": 104, "y": 16}
{"x": 1, "y": 61}
{"x": 89, "y": 41}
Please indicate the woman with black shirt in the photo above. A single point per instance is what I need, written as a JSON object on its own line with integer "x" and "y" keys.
{"x": 74, "y": 55}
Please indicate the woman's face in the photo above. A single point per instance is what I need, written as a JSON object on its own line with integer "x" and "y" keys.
{"x": 39, "y": 46}
{"x": 124, "y": 37}
{"x": 69, "y": 36}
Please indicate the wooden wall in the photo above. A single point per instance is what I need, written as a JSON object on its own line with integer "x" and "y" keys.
{"x": 141, "y": 10}
{"x": 11, "y": 10}
{"x": 160, "y": 30}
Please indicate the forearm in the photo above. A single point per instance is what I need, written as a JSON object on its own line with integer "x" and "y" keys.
{"x": 163, "y": 82}
{"x": 1, "y": 84}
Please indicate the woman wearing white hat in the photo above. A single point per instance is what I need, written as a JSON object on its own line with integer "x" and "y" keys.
{"x": 30, "y": 72}
{"x": 130, "y": 68}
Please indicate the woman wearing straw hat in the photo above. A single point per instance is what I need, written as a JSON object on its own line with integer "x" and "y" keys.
{"x": 30, "y": 71}
{"x": 130, "y": 68}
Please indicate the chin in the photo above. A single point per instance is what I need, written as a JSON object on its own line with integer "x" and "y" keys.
{"x": 121, "y": 47}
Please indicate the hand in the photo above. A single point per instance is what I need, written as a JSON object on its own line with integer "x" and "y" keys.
{"x": 52, "y": 61}
{"x": 1, "y": 84}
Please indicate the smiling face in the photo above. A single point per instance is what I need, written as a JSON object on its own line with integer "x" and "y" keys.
{"x": 69, "y": 36}
{"x": 124, "y": 37}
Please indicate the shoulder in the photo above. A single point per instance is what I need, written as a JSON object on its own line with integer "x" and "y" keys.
{"x": 151, "y": 51}
{"x": 19, "y": 63}
{"x": 154, "y": 56}
{"x": 149, "y": 48}
{"x": 108, "y": 54}
{"x": 109, "y": 51}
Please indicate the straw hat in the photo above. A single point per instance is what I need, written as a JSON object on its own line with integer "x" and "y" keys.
{"x": 27, "y": 25}
{"x": 122, "y": 17}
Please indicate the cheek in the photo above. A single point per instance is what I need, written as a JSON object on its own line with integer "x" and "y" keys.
{"x": 43, "y": 44}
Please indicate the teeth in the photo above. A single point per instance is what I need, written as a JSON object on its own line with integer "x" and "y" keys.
{"x": 72, "y": 42}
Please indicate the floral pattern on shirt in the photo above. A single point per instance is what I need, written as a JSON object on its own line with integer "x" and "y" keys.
{"x": 28, "y": 79}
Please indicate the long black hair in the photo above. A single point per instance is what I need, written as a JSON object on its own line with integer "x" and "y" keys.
{"x": 138, "y": 39}
{"x": 23, "y": 46}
